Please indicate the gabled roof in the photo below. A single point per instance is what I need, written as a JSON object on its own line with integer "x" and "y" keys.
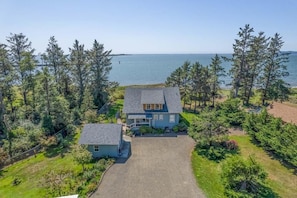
{"x": 101, "y": 134}
{"x": 152, "y": 97}
{"x": 133, "y": 100}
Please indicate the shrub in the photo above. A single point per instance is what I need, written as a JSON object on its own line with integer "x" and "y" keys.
{"x": 243, "y": 178}
{"x": 175, "y": 129}
{"x": 145, "y": 129}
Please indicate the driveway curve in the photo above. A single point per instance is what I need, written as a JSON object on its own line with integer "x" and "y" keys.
{"x": 159, "y": 167}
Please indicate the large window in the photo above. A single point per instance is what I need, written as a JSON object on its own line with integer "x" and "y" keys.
{"x": 172, "y": 118}
{"x": 96, "y": 148}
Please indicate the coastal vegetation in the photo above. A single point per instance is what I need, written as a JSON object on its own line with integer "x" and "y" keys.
{"x": 257, "y": 72}
{"x": 40, "y": 98}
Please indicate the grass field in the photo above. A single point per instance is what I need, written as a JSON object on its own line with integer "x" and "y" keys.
{"x": 282, "y": 179}
{"x": 207, "y": 175}
{"x": 31, "y": 172}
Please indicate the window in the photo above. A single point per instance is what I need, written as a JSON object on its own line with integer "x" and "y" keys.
{"x": 148, "y": 106}
{"x": 155, "y": 117}
{"x": 172, "y": 118}
{"x": 157, "y": 106}
{"x": 161, "y": 117}
{"x": 96, "y": 148}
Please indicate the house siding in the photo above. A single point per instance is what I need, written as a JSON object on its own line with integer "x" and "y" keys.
{"x": 165, "y": 122}
{"x": 104, "y": 150}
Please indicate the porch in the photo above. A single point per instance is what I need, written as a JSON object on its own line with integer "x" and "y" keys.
{"x": 136, "y": 121}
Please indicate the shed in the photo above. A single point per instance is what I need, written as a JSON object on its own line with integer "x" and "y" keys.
{"x": 102, "y": 139}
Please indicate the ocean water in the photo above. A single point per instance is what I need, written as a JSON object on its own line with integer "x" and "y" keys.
{"x": 142, "y": 69}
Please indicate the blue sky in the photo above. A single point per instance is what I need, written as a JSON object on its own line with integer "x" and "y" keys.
{"x": 148, "y": 26}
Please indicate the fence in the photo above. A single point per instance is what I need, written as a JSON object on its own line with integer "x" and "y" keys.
{"x": 26, "y": 154}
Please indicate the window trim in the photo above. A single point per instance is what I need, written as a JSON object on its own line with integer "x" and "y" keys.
{"x": 172, "y": 118}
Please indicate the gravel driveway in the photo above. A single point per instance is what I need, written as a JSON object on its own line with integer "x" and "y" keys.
{"x": 159, "y": 167}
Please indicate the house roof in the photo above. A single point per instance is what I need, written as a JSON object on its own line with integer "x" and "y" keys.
{"x": 134, "y": 99}
{"x": 152, "y": 97}
{"x": 101, "y": 134}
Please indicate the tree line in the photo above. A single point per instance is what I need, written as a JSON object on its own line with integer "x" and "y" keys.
{"x": 197, "y": 82}
{"x": 257, "y": 64}
{"x": 52, "y": 91}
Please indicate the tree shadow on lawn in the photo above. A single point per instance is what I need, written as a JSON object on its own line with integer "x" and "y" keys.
{"x": 60, "y": 149}
{"x": 272, "y": 155}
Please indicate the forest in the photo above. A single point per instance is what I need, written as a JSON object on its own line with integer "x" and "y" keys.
{"x": 50, "y": 93}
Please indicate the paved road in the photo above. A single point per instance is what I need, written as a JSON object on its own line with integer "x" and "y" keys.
{"x": 159, "y": 167}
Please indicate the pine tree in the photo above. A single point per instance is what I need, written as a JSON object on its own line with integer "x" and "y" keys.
{"x": 100, "y": 63}
{"x": 56, "y": 60}
{"x": 216, "y": 71}
{"x": 7, "y": 77}
{"x": 79, "y": 68}
{"x": 239, "y": 58}
{"x": 256, "y": 62}
{"x": 196, "y": 83}
{"x": 20, "y": 47}
{"x": 271, "y": 78}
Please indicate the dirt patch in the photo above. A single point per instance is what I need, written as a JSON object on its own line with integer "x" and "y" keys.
{"x": 284, "y": 111}
{"x": 236, "y": 131}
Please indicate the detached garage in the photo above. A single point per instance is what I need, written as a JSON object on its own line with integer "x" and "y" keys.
{"x": 102, "y": 139}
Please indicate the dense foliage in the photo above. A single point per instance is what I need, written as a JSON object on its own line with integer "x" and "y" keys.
{"x": 49, "y": 92}
{"x": 273, "y": 135}
{"x": 244, "y": 178}
{"x": 209, "y": 130}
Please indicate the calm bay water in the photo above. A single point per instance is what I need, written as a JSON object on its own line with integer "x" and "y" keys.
{"x": 141, "y": 69}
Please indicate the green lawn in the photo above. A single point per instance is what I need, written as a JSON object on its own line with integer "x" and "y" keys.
{"x": 207, "y": 175}
{"x": 281, "y": 179}
{"x": 31, "y": 172}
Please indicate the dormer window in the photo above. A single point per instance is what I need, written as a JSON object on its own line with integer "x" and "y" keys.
{"x": 148, "y": 107}
{"x": 157, "y": 106}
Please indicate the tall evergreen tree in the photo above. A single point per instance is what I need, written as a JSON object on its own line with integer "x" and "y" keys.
{"x": 56, "y": 61}
{"x": 79, "y": 68}
{"x": 272, "y": 85}
{"x": 175, "y": 78}
{"x": 216, "y": 71}
{"x": 196, "y": 83}
{"x": 100, "y": 63}
{"x": 27, "y": 67}
{"x": 239, "y": 58}
{"x": 20, "y": 47}
{"x": 256, "y": 59}
{"x": 7, "y": 77}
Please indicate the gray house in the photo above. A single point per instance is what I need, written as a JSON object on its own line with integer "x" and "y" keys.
{"x": 155, "y": 107}
{"x": 102, "y": 139}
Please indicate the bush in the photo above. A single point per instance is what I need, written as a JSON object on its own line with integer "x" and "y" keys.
{"x": 243, "y": 178}
{"x": 175, "y": 129}
{"x": 217, "y": 151}
{"x": 145, "y": 129}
